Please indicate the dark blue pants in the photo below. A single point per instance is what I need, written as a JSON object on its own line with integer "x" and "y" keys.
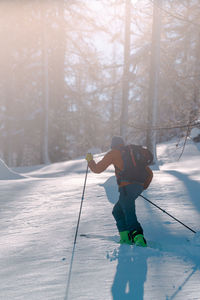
{"x": 124, "y": 210}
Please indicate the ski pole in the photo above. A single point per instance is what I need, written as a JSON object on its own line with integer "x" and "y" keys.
{"x": 75, "y": 237}
{"x": 168, "y": 213}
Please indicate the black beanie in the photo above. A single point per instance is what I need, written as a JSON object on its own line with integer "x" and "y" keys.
{"x": 116, "y": 141}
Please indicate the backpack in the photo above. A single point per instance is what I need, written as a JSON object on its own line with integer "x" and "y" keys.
{"x": 135, "y": 159}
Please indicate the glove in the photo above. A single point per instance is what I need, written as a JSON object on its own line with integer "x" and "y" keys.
{"x": 89, "y": 157}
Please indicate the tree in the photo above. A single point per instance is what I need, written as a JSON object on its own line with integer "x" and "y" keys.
{"x": 44, "y": 134}
{"x": 154, "y": 77}
{"x": 125, "y": 83}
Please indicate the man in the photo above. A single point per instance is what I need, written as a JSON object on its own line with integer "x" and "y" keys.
{"x": 124, "y": 212}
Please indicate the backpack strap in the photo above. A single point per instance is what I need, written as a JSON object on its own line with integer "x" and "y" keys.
{"x": 118, "y": 171}
{"x": 132, "y": 155}
{"x": 118, "y": 175}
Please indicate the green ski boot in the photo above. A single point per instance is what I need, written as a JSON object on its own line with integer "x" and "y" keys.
{"x": 138, "y": 239}
{"x": 125, "y": 238}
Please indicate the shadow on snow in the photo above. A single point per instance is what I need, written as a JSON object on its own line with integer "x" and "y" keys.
{"x": 131, "y": 271}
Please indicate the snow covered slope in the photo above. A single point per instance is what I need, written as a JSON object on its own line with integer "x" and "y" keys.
{"x": 39, "y": 213}
{"x": 7, "y": 174}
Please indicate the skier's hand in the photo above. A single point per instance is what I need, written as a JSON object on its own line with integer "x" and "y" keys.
{"x": 89, "y": 157}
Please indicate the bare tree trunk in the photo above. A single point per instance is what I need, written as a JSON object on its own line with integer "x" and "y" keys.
{"x": 45, "y": 94}
{"x": 7, "y": 145}
{"x": 113, "y": 95}
{"x": 196, "y": 107}
{"x": 7, "y": 78}
{"x": 154, "y": 77}
{"x": 58, "y": 102}
{"x": 125, "y": 86}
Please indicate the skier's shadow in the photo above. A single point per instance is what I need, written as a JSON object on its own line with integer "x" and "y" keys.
{"x": 130, "y": 276}
{"x": 131, "y": 270}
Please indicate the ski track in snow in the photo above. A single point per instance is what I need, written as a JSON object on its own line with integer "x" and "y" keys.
{"x": 39, "y": 214}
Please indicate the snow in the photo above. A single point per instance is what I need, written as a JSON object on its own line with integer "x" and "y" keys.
{"x": 7, "y": 174}
{"x": 195, "y": 132}
{"x": 39, "y": 212}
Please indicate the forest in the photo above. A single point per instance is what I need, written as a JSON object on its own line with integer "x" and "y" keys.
{"x": 76, "y": 72}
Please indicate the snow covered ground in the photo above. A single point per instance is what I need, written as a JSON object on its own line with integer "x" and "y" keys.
{"x": 39, "y": 212}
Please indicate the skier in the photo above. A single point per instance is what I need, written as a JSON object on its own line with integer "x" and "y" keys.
{"x": 124, "y": 212}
